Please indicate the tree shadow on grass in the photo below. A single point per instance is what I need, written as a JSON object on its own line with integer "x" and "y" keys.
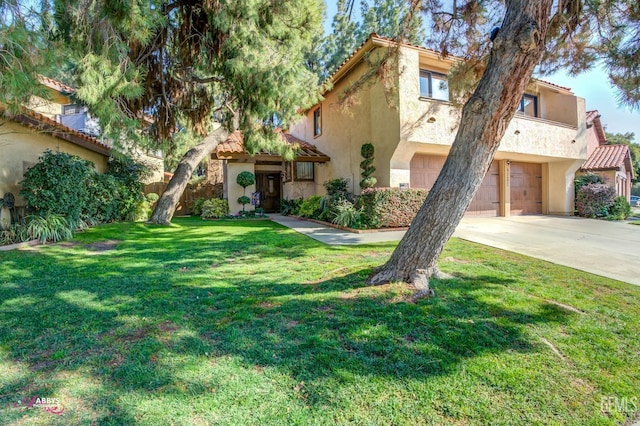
{"x": 128, "y": 330}
{"x": 338, "y": 329}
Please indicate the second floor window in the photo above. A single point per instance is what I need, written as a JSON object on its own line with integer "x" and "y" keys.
{"x": 433, "y": 85}
{"x": 528, "y": 106}
{"x": 317, "y": 122}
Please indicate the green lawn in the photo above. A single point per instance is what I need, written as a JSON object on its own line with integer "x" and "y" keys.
{"x": 238, "y": 323}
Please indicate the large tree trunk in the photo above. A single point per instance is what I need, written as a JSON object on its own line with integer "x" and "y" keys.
{"x": 167, "y": 203}
{"x": 514, "y": 55}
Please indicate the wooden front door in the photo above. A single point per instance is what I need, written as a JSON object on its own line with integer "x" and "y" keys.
{"x": 268, "y": 185}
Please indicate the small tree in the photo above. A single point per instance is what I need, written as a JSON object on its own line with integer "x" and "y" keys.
{"x": 245, "y": 179}
{"x": 368, "y": 181}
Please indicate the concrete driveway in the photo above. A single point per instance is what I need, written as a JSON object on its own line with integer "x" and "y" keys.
{"x": 609, "y": 249}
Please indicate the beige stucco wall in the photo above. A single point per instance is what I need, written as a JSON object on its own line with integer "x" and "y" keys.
{"x": 235, "y": 191}
{"x": 371, "y": 119}
{"x": 557, "y": 139}
{"x": 21, "y": 147}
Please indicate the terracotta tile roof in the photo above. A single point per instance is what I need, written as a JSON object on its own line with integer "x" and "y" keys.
{"x": 233, "y": 147}
{"x": 56, "y": 85}
{"x": 607, "y": 157}
{"x": 42, "y": 123}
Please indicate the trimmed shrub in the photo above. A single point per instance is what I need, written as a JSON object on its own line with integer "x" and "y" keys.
{"x": 337, "y": 194}
{"x": 215, "y": 208}
{"x": 586, "y": 179}
{"x": 620, "y": 209}
{"x": 67, "y": 185}
{"x": 390, "y": 207}
{"x": 198, "y": 204}
{"x": 594, "y": 200}
{"x": 243, "y": 199}
{"x": 245, "y": 179}
{"x": 367, "y": 167}
{"x": 58, "y": 184}
{"x": 311, "y": 207}
{"x": 288, "y": 207}
{"x": 152, "y": 197}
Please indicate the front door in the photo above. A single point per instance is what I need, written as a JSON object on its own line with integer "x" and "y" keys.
{"x": 268, "y": 185}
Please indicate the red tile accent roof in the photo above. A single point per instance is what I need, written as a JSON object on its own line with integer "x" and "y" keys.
{"x": 42, "y": 123}
{"x": 233, "y": 147}
{"x": 56, "y": 85}
{"x": 607, "y": 157}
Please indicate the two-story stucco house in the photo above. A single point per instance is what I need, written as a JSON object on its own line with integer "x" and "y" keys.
{"x": 412, "y": 132}
{"x": 533, "y": 170}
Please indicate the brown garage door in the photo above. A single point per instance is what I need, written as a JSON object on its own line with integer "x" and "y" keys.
{"x": 526, "y": 188}
{"x": 425, "y": 170}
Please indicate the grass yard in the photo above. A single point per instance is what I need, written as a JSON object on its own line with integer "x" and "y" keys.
{"x": 249, "y": 323}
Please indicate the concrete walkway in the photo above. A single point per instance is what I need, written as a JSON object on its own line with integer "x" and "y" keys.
{"x": 609, "y": 249}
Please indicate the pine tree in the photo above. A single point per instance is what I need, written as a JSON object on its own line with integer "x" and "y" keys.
{"x": 206, "y": 68}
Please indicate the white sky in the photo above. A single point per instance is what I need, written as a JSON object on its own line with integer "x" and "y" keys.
{"x": 593, "y": 86}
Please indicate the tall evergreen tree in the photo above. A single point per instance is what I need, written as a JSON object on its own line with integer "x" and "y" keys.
{"x": 25, "y": 51}
{"x": 206, "y": 67}
{"x": 393, "y": 19}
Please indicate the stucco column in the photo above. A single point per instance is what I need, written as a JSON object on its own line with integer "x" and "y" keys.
{"x": 504, "y": 167}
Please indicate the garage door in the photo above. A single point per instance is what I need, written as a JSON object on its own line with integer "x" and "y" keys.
{"x": 426, "y": 168}
{"x": 526, "y": 188}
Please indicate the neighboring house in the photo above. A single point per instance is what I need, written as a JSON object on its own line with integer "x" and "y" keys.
{"x": 25, "y": 137}
{"x": 275, "y": 178}
{"x": 58, "y": 123}
{"x": 534, "y": 167}
{"x": 63, "y": 107}
{"x": 612, "y": 162}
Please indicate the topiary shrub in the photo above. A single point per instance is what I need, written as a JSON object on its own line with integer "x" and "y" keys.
{"x": 245, "y": 179}
{"x": 243, "y": 199}
{"x": 594, "y": 199}
{"x": 390, "y": 207}
{"x": 366, "y": 165}
{"x": 215, "y": 208}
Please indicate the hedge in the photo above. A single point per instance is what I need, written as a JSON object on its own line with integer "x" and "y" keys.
{"x": 390, "y": 207}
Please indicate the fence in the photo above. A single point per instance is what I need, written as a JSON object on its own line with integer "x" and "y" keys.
{"x": 185, "y": 204}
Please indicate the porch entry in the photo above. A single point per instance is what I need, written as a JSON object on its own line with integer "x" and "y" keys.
{"x": 269, "y": 185}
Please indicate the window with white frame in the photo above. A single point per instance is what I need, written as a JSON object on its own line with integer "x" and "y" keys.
{"x": 434, "y": 85}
